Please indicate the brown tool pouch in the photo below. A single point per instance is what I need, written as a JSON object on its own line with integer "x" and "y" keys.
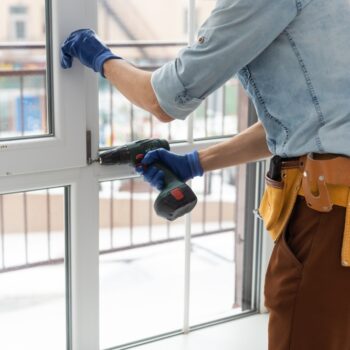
{"x": 321, "y": 174}
{"x": 324, "y": 181}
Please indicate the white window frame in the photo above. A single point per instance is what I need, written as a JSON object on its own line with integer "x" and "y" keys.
{"x": 67, "y": 147}
{"x": 61, "y": 160}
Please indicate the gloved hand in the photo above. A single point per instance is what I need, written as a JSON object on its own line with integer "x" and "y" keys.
{"x": 85, "y": 45}
{"x": 184, "y": 167}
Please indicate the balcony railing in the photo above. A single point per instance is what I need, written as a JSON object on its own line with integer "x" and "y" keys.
{"x": 138, "y": 228}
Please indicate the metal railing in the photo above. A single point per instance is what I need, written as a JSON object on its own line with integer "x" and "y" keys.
{"x": 20, "y": 75}
{"x": 203, "y": 223}
{"x": 24, "y": 247}
{"x": 125, "y": 44}
{"x": 122, "y": 235}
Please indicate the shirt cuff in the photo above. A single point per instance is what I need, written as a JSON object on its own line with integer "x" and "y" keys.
{"x": 171, "y": 94}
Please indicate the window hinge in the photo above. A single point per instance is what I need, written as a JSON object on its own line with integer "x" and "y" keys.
{"x": 88, "y": 147}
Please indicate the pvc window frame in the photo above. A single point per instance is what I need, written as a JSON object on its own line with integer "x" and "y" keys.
{"x": 61, "y": 160}
{"x": 66, "y": 147}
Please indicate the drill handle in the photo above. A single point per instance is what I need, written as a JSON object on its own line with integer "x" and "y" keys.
{"x": 170, "y": 179}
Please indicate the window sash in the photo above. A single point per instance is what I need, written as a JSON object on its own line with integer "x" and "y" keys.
{"x": 66, "y": 148}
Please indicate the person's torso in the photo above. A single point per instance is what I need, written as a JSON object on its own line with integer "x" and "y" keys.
{"x": 300, "y": 84}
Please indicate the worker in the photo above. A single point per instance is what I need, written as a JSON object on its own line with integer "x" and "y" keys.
{"x": 292, "y": 57}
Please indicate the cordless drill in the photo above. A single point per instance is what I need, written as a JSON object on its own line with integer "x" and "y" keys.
{"x": 176, "y": 198}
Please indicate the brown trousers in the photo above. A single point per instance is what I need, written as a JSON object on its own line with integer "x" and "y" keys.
{"x": 307, "y": 291}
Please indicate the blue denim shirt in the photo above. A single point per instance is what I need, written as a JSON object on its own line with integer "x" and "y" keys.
{"x": 291, "y": 56}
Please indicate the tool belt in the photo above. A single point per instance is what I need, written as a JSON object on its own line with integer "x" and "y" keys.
{"x": 324, "y": 181}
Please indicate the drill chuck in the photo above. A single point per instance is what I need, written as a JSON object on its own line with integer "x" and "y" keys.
{"x": 130, "y": 153}
{"x": 118, "y": 155}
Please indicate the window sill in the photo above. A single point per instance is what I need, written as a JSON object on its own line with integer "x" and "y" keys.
{"x": 244, "y": 334}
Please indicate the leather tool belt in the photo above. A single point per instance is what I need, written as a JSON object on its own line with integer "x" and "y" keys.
{"x": 324, "y": 181}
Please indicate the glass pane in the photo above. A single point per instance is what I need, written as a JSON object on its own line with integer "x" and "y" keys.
{"x": 218, "y": 114}
{"x": 122, "y": 122}
{"x": 203, "y": 9}
{"x": 23, "y": 87}
{"x": 141, "y": 265}
{"x": 159, "y": 22}
{"x": 32, "y": 271}
{"x": 213, "y": 272}
{"x": 216, "y": 193}
{"x": 121, "y": 20}
{"x": 213, "y": 278}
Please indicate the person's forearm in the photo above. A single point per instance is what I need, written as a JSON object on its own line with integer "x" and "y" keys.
{"x": 135, "y": 85}
{"x": 250, "y": 145}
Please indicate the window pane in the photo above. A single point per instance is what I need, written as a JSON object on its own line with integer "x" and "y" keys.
{"x": 213, "y": 271}
{"x": 121, "y": 20}
{"x": 122, "y": 122}
{"x": 126, "y": 21}
{"x": 218, "y": 114}
{"x": 23, "y": 75}
{"x": 216, "y": 193}
{"x": 20, "y": 30}
{"x": 142, "y": 259}
{"x": 119, "y": 120}
{"x": 18, "y": 10}
{"x": 138, "y": 276}
{"x": 141, "y": 265}
{"x": 203, "y": 9}
{"x": 32, "y": 272}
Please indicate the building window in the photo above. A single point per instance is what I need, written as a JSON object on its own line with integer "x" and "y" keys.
{"x": 18, "y": 10}
{"x": 20, "y": 30}
{"x": 18, "y": 22}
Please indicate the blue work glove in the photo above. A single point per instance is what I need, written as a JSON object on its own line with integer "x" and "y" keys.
{"x": 184, "y": 167}
{"x": 85, "y": 45}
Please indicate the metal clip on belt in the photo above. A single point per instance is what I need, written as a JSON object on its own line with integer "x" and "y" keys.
{"x": 319, "y": 174}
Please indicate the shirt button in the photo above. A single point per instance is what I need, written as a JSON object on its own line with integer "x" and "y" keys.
{"x": 201, "y": 39}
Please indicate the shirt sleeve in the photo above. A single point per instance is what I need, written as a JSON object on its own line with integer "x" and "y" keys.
{"x": 235, "y": 33}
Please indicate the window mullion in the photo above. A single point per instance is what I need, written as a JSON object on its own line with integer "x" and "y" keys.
{"x": 187, "y": 291}
{"x": 191, "y": 38}
{"x": 85, "y": 261}
{"x": 79, "y": 86}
